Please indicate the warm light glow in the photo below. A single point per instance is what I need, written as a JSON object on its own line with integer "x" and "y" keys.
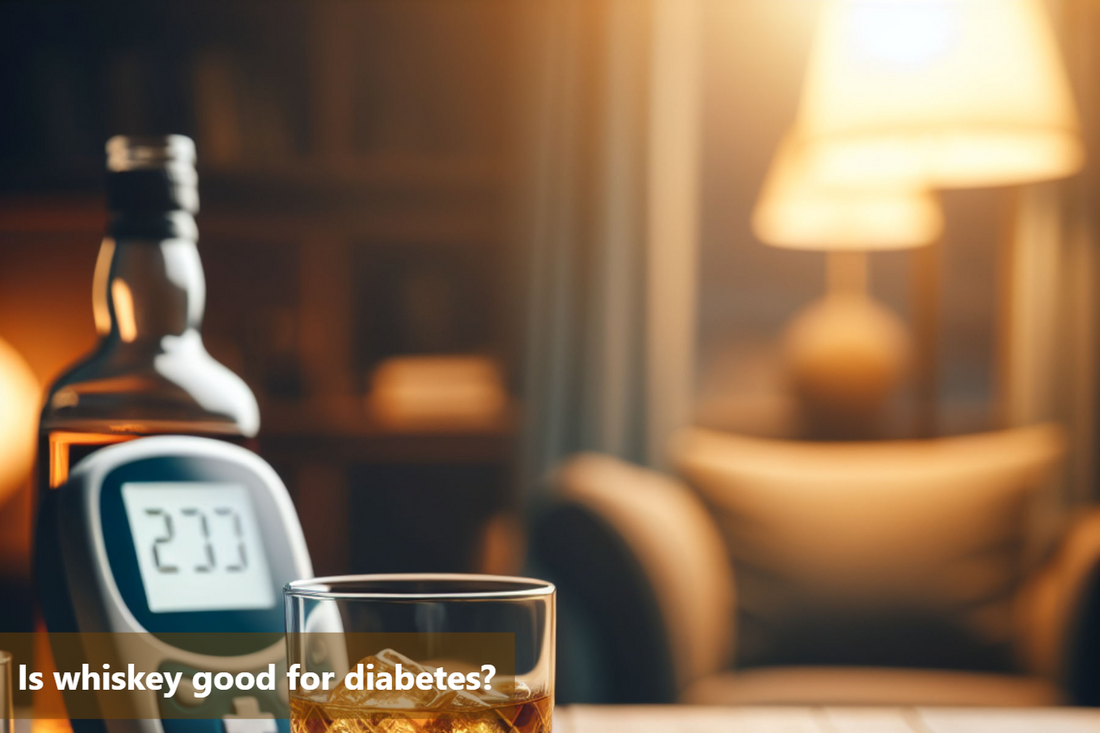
{"x": 61, "y": 442}
{"x": 425, "y": 392}
{"x": 123, "y": 301}
{"x": 941, "y": 92}
{"x": 19, "y": 404}
{"x": 797, "y": 211}
{"x": 100, "y": 309}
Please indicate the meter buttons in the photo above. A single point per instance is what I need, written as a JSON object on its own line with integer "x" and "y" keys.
{"x": 247, "y": 718}
{"x": 185, "y": 695}
{"x": 226, "y": 711}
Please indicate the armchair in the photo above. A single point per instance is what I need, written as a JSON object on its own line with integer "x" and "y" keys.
{"x": 647, "y": 591}
{"x": 876, "y": 573}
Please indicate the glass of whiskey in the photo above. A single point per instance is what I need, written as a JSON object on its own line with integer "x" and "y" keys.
{"x": 420, "y": 654}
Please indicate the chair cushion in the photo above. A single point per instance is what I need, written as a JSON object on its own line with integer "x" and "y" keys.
{"x": 889, "y": 553}
{"x": 870, "y": 686}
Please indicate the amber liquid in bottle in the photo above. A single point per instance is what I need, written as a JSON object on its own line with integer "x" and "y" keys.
{"x": 63, "y": 449}
{"x": 150, "y": 374}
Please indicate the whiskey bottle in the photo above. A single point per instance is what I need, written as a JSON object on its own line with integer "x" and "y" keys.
{"x": 150, "y": 373}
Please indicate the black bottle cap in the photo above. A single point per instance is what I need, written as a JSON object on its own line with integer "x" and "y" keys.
{"x": 149, "y": 175}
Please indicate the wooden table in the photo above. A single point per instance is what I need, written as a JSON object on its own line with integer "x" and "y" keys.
{"x": 697, "y": 719}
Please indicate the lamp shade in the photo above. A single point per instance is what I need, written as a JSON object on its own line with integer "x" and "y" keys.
{"x": 948, "y": 93}
{"x": 798, "y": 211}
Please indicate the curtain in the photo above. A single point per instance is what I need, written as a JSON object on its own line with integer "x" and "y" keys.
{"x": 610, "y": 252}
{"x": 1049, "y": 368}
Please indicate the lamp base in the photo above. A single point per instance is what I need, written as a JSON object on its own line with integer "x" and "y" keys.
{"x": 846, "y": 355}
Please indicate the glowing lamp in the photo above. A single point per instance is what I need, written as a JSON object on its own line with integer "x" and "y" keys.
{"x": 945, "y": 93}
{"x": 846, "y": 353}
{"x": 19, "y": 405}
{"x": 798, "y": 211}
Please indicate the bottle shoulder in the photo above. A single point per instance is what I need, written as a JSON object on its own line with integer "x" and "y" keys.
{"x": 179, "y": 384}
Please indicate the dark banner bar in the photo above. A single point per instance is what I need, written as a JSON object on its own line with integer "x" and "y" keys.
{"x": 329, "y": 675}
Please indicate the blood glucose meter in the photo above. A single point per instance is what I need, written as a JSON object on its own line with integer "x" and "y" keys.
{"x": 176, "y": 534}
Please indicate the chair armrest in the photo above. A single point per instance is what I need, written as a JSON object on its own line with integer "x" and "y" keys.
{"x": 1059, "y": 614}
{"x": 671, "y": 545}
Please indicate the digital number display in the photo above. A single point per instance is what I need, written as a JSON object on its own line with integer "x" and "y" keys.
{"x": 198, "y": 547}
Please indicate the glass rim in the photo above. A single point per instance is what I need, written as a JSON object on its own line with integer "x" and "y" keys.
{"x": 5, "y": 657}
{"x": 509, "y": 587}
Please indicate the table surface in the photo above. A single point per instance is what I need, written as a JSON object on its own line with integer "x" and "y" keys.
{"x": 697, "y": 719}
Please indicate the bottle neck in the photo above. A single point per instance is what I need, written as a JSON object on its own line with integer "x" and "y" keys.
{"x": 149, "y": 289}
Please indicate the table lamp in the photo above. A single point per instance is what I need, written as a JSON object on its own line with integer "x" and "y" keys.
{"x": 845, "y": 353}
{"x": 945, "y": 93}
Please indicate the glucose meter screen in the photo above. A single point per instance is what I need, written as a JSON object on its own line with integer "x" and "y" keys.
{"x": 198, "y": 547}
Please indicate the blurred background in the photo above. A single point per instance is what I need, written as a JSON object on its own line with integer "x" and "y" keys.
{"x": 452, "y": 244}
